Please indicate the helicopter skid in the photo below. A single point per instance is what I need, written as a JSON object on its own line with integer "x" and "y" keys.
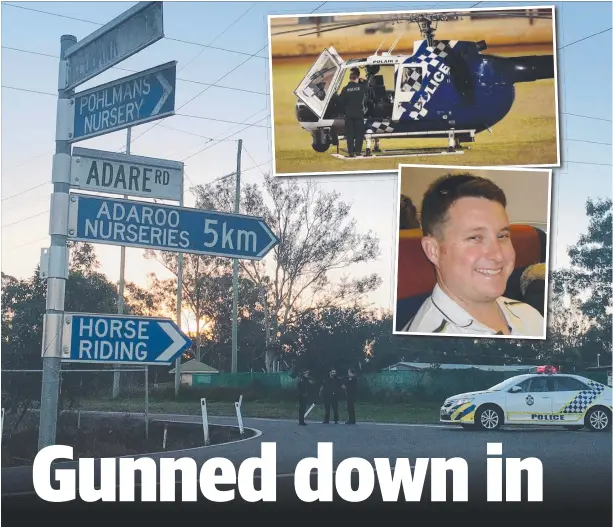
{"x": 454, "y": 138}
{"x": 406, "y": 152}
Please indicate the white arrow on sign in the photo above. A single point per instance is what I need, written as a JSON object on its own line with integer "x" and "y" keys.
{"x": 177, "y": 342}
{"x": 167, "y": 91}
{"x": 271, "y": 236}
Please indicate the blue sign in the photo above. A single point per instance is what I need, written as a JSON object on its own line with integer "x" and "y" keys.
{"x": 129, "y": 101}
{"x": 121, "y": 339}
{"x": 98, "y": 219}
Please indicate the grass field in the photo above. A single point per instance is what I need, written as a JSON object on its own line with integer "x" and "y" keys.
{"x": 365, "y": 411}
{"x": 526, "y": 136}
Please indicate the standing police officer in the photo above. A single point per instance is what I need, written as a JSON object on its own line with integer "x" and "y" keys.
{"x": 331, "y": 389}
{"x": 351, "y": 388}
{"x": 353, "y": 100}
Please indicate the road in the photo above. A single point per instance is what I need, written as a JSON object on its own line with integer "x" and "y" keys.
{"x": 576, "y": 468}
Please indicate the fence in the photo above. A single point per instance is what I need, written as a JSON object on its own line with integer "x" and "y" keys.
{"x": 398, "y": 385}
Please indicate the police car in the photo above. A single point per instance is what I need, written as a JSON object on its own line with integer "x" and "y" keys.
{"x": 543, "y": 398}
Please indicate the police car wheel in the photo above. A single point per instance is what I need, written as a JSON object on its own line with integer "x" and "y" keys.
{"x": 598, "y": 419}
{"x": 488, "y": 418}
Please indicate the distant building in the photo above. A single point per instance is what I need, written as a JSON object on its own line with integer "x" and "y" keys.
{"x": 418, "y": 366}
{"x": 191, "y": 368}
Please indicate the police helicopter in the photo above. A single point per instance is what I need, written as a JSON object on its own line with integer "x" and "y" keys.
{"x": 445, "y": 89}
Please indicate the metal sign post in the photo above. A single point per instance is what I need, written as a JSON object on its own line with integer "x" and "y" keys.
{"x": 57, "y": 272}
{"x": 205, "y": 422}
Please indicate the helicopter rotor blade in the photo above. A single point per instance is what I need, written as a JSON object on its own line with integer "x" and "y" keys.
{"x": 331, "y": 25}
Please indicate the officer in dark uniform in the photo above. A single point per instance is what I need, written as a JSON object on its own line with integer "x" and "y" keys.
{"x": 351, "y": 388}
{"x": 303, "y": 395}
{"x": 353, "y": 101}
{"x": 330, "y": 390}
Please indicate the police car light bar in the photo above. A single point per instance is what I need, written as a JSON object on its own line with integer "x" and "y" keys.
{"x": 546, "y": 369}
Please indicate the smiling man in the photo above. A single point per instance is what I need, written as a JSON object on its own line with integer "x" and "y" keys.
{"x": 467, "y": 239}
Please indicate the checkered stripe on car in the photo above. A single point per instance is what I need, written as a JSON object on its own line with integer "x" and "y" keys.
{"x": 583, "y": 399}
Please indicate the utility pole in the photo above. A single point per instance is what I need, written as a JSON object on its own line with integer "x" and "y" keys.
{"x": 122, "y": 271}
{"x": 179, "y": 299}
{"x": 237, "y": 199}
{"x": 58, "y": 267}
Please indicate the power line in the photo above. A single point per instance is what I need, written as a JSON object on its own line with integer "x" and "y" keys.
{"x": 101, "y": 24}
{"x": 586, "y": 141}
{"x": 220, "y": 120}
{"x": 225, "y": 138}
{"x": 218, "y": 36}
{"x": 27, "y": 190}
{"x": 137, "y": 71}
{"x": 587, "y": 117}
{"x": 24, "y": 244}
{"x": 584, "y": 38}
{"x": 254, "y": 161}
{"x": 25, "y": 219}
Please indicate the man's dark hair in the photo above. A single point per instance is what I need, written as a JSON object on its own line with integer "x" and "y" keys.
{"x": 355, "y": 71}
{"x": 446, "y": 190}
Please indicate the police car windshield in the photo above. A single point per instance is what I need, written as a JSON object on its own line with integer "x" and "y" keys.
{"x": 504, "y": 384}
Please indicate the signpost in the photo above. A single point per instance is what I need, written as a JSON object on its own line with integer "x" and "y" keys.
{"x": 121, "y": 339}
{"x": 125, "y": 174}
{"x": 136, "y": 99}
{"x": 129, "y": 33}
{"x": 97, "y": 219}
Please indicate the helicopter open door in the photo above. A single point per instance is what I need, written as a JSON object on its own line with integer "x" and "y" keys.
{"x": 409, "y": 81}
{"x": 321, "y": 81}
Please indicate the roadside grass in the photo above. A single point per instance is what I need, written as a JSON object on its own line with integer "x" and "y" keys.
{"x": 407, "y": 413}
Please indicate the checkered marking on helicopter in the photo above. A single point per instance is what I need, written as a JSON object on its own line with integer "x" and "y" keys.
{"x": 378, "y": 127}
{"x": 583, "y": 399}
{"x": 440, "y": 51}
{"x": 413, "y": 83}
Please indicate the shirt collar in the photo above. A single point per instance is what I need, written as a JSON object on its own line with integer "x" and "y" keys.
{"x": 459, "y": 317}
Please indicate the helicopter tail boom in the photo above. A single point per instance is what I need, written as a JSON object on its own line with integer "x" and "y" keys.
{"x": 530, "y": 68}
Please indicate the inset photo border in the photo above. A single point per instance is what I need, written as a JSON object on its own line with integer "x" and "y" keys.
{"x": 475, "y": 262}
{"x": 472, "y": 87}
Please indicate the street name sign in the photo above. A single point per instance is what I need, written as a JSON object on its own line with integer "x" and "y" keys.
{"x": 130, "y": 223}
{"x": 121, "y": 339}
{"x": 129, "y": 101}
{"x": 125, "y": 174}
{"x": 125, "y": 35}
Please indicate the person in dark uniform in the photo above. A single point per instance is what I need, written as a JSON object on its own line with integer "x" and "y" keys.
{"x": 353, "y": 100}
{"x": 330, "y": 390}
{"x": 351, "y": 388}
{"x": 303, "y": 395}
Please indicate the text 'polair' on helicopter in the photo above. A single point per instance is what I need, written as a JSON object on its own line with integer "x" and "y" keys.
{"x": 446, "y": 88}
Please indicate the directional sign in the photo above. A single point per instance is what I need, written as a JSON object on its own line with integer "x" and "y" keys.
{"x": 121, "y": 339}
{"x": 129, "y": 101}
{"x": 115, "y": 173}
{"x": 132, "y": 31}
{"x": 97, "y": 219}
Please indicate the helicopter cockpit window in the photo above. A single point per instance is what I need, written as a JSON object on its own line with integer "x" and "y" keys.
{"x": 320, "y": 80}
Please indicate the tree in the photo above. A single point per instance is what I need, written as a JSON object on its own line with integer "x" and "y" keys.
{"x": 317, "y": 238}
{"x": 23, "y": 310}
{"x": 587, "y": 284}
{"x": 199, "y": 292}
